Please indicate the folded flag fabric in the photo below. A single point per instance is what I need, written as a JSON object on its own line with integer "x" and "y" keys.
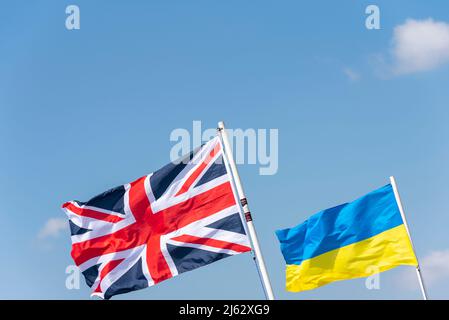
{"x": 173, "y": 220}
{"x": 349, "y": 241}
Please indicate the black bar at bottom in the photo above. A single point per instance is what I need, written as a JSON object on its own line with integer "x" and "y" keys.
{"x": 222, "y": 309}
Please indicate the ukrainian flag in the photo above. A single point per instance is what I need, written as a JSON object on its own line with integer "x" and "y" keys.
{"x": 346, "y": 242}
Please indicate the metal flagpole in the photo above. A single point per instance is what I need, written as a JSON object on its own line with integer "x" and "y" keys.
{"x": 401, "y": 210}
{"x": 249, "y": 221}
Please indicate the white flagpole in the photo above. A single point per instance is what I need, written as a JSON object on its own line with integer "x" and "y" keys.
{"x": 249, "y": 221}
{"x": 401, "y": 210}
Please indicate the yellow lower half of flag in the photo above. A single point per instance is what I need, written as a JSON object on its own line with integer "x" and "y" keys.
{"x": 382, "y": 252}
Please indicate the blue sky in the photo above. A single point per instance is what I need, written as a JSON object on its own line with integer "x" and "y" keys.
{"x": 85, "y": 110}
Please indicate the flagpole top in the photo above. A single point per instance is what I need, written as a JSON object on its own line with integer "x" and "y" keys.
{"x": 393, "y": 181}
{"x": 221, "y": 125}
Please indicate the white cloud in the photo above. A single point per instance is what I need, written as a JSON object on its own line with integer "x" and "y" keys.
{"x": 434, "y": 268}
{"x": 351, "y": 74}
{"x": 53, "y": 227}
{"x": 420, "y": 45}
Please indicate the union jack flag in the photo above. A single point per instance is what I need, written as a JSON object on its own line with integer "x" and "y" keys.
{"x": 173, "y": 220}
